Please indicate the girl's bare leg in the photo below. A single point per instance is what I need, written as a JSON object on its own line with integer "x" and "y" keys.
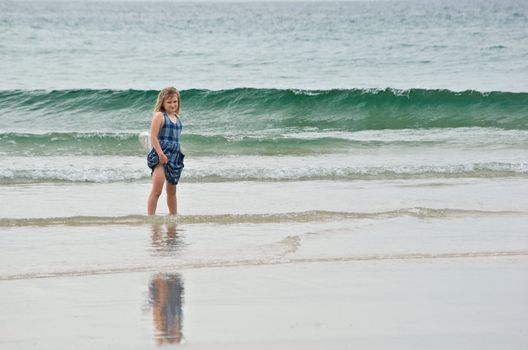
{"x": 171, "y": 198}
{"x": 158, "y": 179}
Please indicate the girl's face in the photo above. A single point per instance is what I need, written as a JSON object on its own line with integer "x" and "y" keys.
{"x": 171, "y": 104}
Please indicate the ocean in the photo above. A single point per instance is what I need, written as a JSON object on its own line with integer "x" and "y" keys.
{"x": 347, "y": 136}
{"x": 455, "y": 45}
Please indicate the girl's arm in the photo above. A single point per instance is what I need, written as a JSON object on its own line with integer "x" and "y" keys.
{"x": 157, "y": 121}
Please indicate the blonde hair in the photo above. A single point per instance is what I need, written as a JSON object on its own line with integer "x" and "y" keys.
{"x": 163, "y": 95}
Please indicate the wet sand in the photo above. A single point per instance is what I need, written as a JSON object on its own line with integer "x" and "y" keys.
{"x": 436, "y": 264}
{"x": 436, "y": 304}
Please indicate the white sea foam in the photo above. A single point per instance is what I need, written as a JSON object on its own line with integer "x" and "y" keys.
{"x": 368, "y": 164}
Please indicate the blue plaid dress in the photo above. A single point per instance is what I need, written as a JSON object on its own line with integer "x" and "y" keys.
{"x": 169, "y": 139}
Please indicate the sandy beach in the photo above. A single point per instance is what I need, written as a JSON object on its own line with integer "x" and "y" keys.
{"x": 281, "y": 273}
{"x": 475, "y": 303}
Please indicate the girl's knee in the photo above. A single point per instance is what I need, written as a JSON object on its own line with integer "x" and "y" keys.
{"x": 170, "y": 189}
{"x": 156, "y": 193}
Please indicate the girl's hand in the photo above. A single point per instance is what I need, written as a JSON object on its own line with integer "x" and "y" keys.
{"x": 163, "y": 158}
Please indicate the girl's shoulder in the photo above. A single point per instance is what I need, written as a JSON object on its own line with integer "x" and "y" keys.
{"x": 158, "y": 118}
{"x": 158, "y": 115}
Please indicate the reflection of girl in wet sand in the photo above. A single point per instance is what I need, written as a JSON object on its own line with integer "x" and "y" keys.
{"x": 166, "y": 298}
{"x": 165, "y": 240}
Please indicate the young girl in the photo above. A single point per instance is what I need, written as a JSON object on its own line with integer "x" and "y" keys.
{"x": 165, "y": 158}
